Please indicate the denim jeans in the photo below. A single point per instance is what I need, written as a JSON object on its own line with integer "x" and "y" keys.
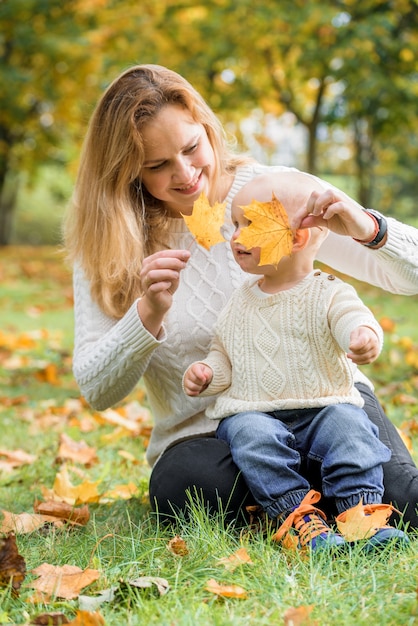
{"x": 271, "y": 448}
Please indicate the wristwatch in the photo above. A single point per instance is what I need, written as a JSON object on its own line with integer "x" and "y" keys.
{"x": 382, "y": 227}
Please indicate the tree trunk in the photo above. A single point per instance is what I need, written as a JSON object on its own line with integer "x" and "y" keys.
{"x": 8, "y": 188}
{"x": 7, "y": 209}
{"x": 364, "y": 159}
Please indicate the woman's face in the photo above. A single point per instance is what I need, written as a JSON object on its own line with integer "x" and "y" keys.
{"x": 179, "y": 159}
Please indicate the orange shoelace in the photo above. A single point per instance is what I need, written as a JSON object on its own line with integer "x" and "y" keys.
{"x": 307, "y": 529}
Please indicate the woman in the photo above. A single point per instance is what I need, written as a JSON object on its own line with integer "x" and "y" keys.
{"x": 147, "y": 296}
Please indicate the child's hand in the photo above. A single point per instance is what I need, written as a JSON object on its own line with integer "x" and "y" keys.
{"x": 364, "y": 345}
{"x": 197, "y": 378}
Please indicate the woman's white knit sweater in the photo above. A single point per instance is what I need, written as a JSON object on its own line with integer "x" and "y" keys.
{"x": 111, "y": 356}
{"x": 286, "y": 350}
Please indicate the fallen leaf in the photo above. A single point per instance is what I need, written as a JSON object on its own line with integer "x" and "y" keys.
{"x": 23, "y": 523}
{"x": 15, "y": 458}
{"x": 206, "y": 221}
{"x": 226, "y": 591}
{"x": 76, "y": 451}
{"x": 64, "y": 581}
{"x": 362, "y": 522}
{"x": 132, "y": 424}
{"x": 299, "y": 616}
{"x": 120, "y": 492}
{"x": 48, "y": 374}
{"x": 74, "y": 494}
{"x": 63, "y": 511}
{"x": 178, "y": 546}
{"x": 269, "y": 230}
{"x": 86, "y": 618}
{"x": 235, "y": 560}
{"x": 50, "y": 619}
{"x": 91, "y": 603}
{"x": 147, "y": 582}
{"x": 12, "y": 564}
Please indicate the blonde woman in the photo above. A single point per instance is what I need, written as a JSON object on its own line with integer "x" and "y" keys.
{"x": 147, "y": 297}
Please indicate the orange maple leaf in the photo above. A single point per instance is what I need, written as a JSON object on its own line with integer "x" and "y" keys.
{"x": 205, "y": 222}
{"x": 269, "y": 230}
{"x": 362, "y": 522}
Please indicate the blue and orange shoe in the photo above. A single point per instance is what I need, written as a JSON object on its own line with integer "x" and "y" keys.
{"x": 306, "y": 528}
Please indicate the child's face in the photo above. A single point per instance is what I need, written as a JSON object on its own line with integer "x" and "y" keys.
{"x": 248, "y": 260}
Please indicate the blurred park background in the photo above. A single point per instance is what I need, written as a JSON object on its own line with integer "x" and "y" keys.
{"x": 328, "y": 87}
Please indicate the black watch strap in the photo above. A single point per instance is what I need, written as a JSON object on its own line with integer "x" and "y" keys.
{"x": 383, "y": 227}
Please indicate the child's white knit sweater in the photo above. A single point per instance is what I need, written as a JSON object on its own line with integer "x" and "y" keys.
{"x": 286, "y": 350}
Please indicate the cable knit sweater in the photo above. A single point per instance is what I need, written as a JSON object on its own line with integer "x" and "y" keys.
{"x": 111, "y": 356}
{"x": 286, "y": 350}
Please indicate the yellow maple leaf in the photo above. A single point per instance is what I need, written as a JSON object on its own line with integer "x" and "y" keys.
{"x": 74, "y": 494}
{"x": 269, "y": 230}
{"x": 206, "y": 221}
{"x": 362, "y": 522}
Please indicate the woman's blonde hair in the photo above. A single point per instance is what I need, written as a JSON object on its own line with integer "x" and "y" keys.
{"x": 112, "y": 222}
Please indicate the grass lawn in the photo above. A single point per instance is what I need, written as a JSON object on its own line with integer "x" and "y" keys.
{"x": 42, "y": 415}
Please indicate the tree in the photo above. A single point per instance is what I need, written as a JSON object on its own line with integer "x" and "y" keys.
{"x": 328, "y": 63}
{"x": 47, "y": 77}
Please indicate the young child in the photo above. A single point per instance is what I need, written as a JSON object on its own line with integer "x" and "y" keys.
{"x": 280, "y": 362}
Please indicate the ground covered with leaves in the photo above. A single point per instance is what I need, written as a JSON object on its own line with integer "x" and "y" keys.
{"x": 78, "y": 542}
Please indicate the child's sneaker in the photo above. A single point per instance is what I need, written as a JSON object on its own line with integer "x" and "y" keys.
{"x": 375, "y": 537}
{"x": 306, "y": 527}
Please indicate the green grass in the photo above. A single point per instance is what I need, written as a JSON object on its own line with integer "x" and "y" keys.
{"x": 123, "y": 540}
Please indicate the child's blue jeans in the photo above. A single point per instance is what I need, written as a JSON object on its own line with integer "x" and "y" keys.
{"x": 269, "y": 449}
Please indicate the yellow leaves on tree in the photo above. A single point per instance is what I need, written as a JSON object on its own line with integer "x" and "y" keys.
{"x": 269, "y": 230}
{"x": 205, "y": 222}
{"x": 362, "y": 522}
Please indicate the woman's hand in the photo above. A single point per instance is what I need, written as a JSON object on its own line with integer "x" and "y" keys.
{"x": 197, "y": 378}
{"x": 364, "y": 345}
{"x": 160, "y": 275}
{"x": 338, "y": 212}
